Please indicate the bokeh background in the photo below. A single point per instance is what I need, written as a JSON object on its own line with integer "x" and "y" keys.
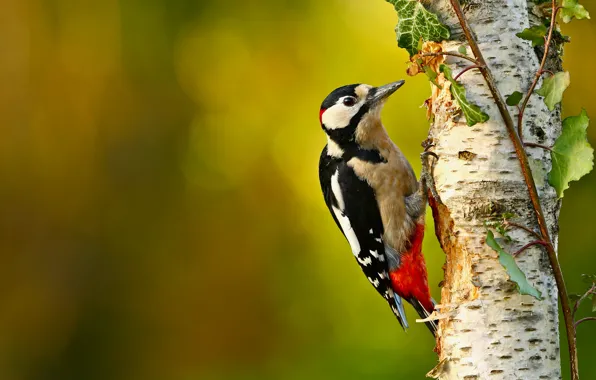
{"x": 160, "y": 214}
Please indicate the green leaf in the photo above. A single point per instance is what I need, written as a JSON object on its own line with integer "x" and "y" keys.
{"x": 432, "y": 76}
{"x": 514, "y": 99}
{"x": 414, "y": 23}
{"x": 572, "y": 9}
{"x": 503, "y": 231}
{"x": 515, "y": 274}
{"x": 553, "y": 87}
{"x": 535, "y": 34}
{"x": 471, "y": 111}
{"x": 572, "y": 156}
{"x": 501, "y": 228}
{"x": 462, "y": 49}
{"x": 508, "y": 215}
{"x": 420, "y": 44}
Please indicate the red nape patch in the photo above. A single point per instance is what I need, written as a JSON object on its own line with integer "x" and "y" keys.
{"x": 410, "y": 279}
{"x": 321, "y": 112}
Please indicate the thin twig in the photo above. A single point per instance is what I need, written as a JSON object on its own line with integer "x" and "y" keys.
{"x": 531, "y": 185}
{"x": 547, "y": 72}
{"x": 520, "y": 115}
{"x": 584, "y": 320}
{"x": 451, "y": 54}
{"x": 528, "y": 230}
{"x": 530, "y": 244}
{"x": 583, "y": 297}
{"x": 466, "y": 69}
{"x": 538, "y": 146}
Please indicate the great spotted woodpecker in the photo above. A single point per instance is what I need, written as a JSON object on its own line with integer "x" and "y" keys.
{"x": 374, "y": 197}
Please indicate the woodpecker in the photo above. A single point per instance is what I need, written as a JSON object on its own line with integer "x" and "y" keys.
{"x": 374, "y": 197}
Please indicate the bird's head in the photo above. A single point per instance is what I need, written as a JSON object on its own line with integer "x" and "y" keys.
{"x": 349, "y": 110}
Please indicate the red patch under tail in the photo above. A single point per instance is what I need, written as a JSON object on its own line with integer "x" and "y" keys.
{"x": 410, "y": 280}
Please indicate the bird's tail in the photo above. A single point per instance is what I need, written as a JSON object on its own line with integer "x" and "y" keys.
{"x": 423, "y": 313}
{"x": 398, "y": 310}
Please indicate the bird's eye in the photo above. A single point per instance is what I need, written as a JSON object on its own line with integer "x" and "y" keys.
{"x": 349, "y": 101}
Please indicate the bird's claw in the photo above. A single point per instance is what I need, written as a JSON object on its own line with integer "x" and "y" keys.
{"x": 427, "y": 144}
{"x": 425, "y": 154}
{"x": 427, "y": 173}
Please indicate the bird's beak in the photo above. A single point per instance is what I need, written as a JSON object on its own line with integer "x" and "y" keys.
{"x": 379, "y": 94}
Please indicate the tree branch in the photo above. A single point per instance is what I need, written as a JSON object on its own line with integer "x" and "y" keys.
{"x": 583, "y": 297}
{"x": 520, "y": 115}
{"x": 528, "y": 230}
{"x": 530, "y": 244}
{"x": 534, "y": 145}
{"x": 584, "y": 320}
{"x": 465, "y": 70}
{"x": 531, "y": 185}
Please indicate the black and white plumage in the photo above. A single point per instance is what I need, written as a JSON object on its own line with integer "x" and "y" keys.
{"x": 374, "y": 197}
{"x": 357, "y": 215}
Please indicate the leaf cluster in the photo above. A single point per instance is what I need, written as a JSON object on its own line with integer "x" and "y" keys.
{"x": 418, "y": 30}
{"x": 572, "y": 156}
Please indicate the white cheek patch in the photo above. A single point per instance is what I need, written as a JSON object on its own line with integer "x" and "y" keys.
{"x": 339, "y": 116}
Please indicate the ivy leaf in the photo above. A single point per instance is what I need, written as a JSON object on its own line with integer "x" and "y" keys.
{"x": 471, "y": 111}
{"x": 553, "y": 87}
{"x": 515, "y": 274}
{"x": 416, "y": 23}
{"x": 572, "y": 9}
{"x": 572, "y": 156}
{"x": 535, "y": 34}
{"x": 514, "y": 99}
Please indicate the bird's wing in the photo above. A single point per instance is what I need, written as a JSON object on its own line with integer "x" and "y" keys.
{"x": 354, "y": 208}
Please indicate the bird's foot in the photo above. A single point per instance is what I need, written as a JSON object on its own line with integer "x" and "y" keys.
{"x": 426, "y": 176}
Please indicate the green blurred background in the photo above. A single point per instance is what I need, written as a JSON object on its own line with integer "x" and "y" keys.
{"x": 160, "y": 214}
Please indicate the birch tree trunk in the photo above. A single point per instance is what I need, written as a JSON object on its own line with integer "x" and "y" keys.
{"x": 491, "y": 330}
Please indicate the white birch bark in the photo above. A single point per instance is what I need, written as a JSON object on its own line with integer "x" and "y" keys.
{"x": 493, "y": 332}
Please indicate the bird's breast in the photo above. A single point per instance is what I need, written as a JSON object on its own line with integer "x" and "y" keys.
{"x": 391, "y": 182}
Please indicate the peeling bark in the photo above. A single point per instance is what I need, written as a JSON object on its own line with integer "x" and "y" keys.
{"x": 491, "y": 331}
